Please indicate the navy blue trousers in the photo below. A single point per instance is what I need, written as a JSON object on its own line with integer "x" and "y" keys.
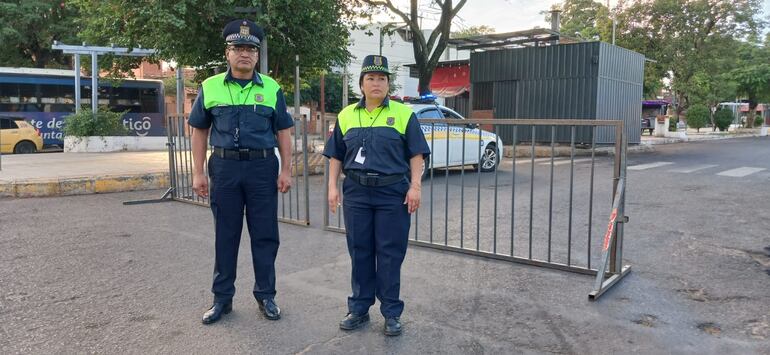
{"x": 235, "y": 185}
{"x": 377, "y": 223}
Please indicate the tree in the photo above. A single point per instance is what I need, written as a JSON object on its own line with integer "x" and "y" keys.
{"x": 473, "y": 31}
{"x": 586, "y": 19}
{"x": 753, "y": 76}
{"x": 723, "y": 118}
{"x": 713, "y": 83}
{"x": 426, "y": 52}
{"x": 710, "y": 89}
{"x": 697, "y": 116}
{"x": 28, "y": 29}
{"x": 683, "y": 36}
{"x": 189, "y": 31}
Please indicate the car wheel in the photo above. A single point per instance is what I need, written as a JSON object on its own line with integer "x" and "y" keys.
{"x": 490, "y": 160}
{"x": 24, "y": 148}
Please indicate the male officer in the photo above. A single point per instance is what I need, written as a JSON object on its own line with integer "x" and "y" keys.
{"x": 245, "y": 112}
{"x": 377, "y": 142}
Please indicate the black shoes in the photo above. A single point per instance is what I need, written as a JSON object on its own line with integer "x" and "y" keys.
{"x": 354, "y": 321}
{"x": 392, "y": 326}
{"x": 267, "y": 306}
{"x": 269, "y": 309}
{"x": 216, "y": 311}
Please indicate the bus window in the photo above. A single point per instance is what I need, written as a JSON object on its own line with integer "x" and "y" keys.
{"x": 46, "y": 96}
{"x": 149, "y": 100}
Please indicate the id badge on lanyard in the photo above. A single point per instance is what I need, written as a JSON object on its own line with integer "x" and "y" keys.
{"x": 360, "y": 156}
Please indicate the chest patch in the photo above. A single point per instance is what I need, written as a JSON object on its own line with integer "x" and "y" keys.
{"x": 390, "y": 121}
{"x": 259, "y": 98}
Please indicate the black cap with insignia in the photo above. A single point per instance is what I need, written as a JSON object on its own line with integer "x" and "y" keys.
{"x": 243, "y": 32}
{"x": 375, "y": 64}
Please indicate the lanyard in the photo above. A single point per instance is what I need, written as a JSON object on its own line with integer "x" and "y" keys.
{"x": 368, "y": 130}
{"x": 237, "y": 135}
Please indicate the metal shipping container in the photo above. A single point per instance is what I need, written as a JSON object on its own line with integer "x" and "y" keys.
{"x": 587, "y": 80}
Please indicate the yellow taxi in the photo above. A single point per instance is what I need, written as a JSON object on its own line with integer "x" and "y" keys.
{"x": 18, "y": 136}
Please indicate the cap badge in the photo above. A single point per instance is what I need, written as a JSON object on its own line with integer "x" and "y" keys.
{"x": 377, "y": 60}
{"x": 244, "y": 29}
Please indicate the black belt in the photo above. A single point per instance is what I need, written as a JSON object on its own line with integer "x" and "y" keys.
{"x": 242, "y": 154}
{"x": 368, "y": 179}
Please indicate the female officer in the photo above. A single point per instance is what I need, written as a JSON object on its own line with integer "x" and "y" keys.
{"x": 376, "y": 142}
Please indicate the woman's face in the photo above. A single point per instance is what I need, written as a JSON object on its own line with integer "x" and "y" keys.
{"x": 375, "y": 86}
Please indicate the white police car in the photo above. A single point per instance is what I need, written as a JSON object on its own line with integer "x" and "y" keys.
{"x": 485, "y": 151}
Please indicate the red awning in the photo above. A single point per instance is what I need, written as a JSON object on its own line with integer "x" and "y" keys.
{"x": 451, "y": 81}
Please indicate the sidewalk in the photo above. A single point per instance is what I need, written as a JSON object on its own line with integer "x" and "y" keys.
{"x": 705, "y": 134}
{"x": 62, "y": 174}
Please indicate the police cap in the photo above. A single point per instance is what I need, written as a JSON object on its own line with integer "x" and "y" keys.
{"x": 375, "y": 64}
{"x": 243, "y": 32}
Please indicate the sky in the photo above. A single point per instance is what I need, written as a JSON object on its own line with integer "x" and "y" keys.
{"x": 504, "y": 15}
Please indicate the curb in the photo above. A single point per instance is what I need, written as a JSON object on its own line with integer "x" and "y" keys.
{"x": 84, "y": 185}
{"x": 524, "y": 151}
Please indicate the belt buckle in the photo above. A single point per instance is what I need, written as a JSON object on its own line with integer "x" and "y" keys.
{"x": 243, "y": 154}
{"x": 370, "y": 180}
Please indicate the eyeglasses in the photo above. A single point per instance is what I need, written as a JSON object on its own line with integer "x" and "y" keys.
{"x": 239, "y": 50}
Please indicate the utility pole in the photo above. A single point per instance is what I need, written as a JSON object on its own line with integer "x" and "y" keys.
{"x": 344, "y": 86}
{"x": 323, "y": 104}
{"x": 614, "y": 25}
{"x": 180, "y": 94}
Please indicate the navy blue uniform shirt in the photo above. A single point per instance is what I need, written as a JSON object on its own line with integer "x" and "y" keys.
{"x": 238, "y": 116}
{"x": 388, "y": 138}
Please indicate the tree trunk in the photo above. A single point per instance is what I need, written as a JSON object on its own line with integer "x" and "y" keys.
{"x": 424, "y": 85}
{"x": 750, "y": 115}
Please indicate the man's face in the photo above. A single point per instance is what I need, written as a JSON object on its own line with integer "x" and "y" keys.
{"x": 242, "y": 57}
{"x": 375, "y": 85}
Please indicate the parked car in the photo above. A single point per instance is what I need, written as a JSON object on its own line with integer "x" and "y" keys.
{"x": 490, "y": 144}
{"x": 18, "y": 136}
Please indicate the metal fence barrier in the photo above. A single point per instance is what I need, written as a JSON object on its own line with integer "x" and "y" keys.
{"x": 536, "y": 211}
{"x": 293, "y": 206}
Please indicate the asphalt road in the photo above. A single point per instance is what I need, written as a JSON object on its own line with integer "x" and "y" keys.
{"x": 85, "y": 274}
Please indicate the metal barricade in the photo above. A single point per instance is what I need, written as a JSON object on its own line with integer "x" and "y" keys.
{"x": 293, "y": 206}
{"x": 536, "y": 211}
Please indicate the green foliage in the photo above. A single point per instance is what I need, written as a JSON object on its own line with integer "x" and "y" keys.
{"x": 84, "y": 124}
{"x": 685, "y": 38}
{"x": 723, "y": 118}
{"x": 753, "y": 75}
{"x": 473, "y": 31}
{"x": 189, "y": 31}
{"x": 28, "y": 29}
{"x": 672, "y": 122}
{"x": 169, "y": 85}
{"x": 583, "y": 19}
{"x": 697, "y": 116}
{"x": 759, "y": 120}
